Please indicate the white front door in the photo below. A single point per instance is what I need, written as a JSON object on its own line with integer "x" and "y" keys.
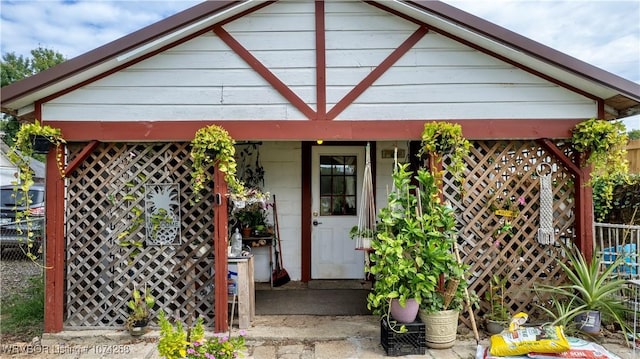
{"x": 336, "y": 189}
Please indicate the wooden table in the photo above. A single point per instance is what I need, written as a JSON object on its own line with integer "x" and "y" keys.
{"x": 246, "y": 290}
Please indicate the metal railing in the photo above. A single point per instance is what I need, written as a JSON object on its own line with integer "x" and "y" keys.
{"x": 619, "y": 240}
{"x": 613, "y": 241}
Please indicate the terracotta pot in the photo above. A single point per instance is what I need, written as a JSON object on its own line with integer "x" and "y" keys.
{"x": 406, "y": 314}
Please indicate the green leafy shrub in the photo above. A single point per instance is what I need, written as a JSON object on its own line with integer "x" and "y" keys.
{"x": 617, "y": 200}
{"x": 176, "y": 342}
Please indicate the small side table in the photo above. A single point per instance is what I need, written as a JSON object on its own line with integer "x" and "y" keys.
{"x": 246, "y": 290}
{"x": 262, "y": 242}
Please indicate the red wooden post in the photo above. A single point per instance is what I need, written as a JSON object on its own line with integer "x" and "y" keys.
{"x": 220, "y": 239}
{"x": 54, "y": 247}
{"x": 584, "y": 209}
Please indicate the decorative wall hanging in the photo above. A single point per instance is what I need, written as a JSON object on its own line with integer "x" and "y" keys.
{"x": 546, "y": 231}
{"x": 162, "y": 214}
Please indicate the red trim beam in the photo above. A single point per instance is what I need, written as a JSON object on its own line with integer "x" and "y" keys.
{"x": 309, "y": 130}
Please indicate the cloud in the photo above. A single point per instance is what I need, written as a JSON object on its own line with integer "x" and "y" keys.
{"x": 75, "y": 27}
{"x": 602, "y": 33}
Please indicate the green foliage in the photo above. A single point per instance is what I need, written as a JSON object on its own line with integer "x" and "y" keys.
{"x": 412, "y": 251}
{"x": 495, "y": 297}
{"x": 604, "y": 143}
{"x": 173, "y": 340}
{"x": 23, "y": 313}
{"x": 213, "y": 144}
{"x": 634, "y": 134}
{"x": 443, "y": 138}
{"x": 14, "y": 68}
{"x": 20, "y": 154}
{"x": 589, "y": 287}
{"x": 617, "y": 199}
{"x": 176, "y": 343}
{"x": 251, "y": 217}
{"x": 139, "y": 306}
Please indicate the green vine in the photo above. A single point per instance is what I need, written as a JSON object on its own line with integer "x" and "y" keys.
{"x": 604, "y": 143}
{"x": 213, "y": 144}
{"x": 20, "y": 154}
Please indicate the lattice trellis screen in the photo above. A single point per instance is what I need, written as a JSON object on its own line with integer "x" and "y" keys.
{"x": 502, "y": 175}
{"x": 100, "y": 274}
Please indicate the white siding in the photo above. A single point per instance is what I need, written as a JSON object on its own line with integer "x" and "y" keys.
{"x": 384, "y": 170}
{"x": 203, "y": 79}
{"x": 282, "y": 165}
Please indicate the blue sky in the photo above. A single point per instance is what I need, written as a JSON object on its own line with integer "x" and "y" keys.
{"x": 604, "y": 33}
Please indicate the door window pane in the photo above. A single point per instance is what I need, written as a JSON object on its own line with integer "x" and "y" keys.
{"x": 338, "y": 180}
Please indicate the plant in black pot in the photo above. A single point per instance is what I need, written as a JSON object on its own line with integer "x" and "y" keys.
{"x": 591, "y": 295}
{"x": 396, "y": 261}
{"x": 139, "y": 311}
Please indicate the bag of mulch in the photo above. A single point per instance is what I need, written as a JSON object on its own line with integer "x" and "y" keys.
{"x": 579, "y": 348}
{"x": 545, "y": 339}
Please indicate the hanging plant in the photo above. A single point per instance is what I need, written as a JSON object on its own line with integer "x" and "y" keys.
{"x": 443, "y": 138}
{"x": 25, "y": 146}
{"x": 604, "y": 143}
{"x": 213, "y": 144}
{"x": 28, "y": 137}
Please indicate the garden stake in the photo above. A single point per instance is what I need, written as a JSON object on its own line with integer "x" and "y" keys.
{"x": 469, "y": 308}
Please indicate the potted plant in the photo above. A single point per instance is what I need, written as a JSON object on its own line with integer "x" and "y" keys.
{"x": 443, "y": 138}
{"x": 249, "y": 211}
{"x": 213, "y": 145}
{"x": 445, "y": 296}
{"x": 497, "y": 318}
{"x": 364, "y": 235}
{"x": 590, "y": 295}
{"x": 139, "y": 306}
{"x": 251, "y": 219}
{"x": 413, "y": 257}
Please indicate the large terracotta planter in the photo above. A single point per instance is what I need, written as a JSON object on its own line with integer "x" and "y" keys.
{"x": 440, "y": 328}
{"x": 406, "y": 314}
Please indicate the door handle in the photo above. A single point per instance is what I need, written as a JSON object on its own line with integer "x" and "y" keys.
{"x": 315, "y": 222}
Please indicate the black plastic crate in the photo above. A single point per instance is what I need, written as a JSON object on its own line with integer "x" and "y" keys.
{"x": 411, "y": 342}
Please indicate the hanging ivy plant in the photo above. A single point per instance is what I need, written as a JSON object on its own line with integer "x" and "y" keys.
{"x": 21, "y": 153}
{"x": 213, "y": 144}
{"x": 604, "y": 143}
{"x": 444, "y": 138}
{"x": 23, "y": 149}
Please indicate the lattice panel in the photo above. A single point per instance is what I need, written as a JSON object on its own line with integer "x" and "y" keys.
{"x": 502, "y": 175}
{"x": 100, "y": 273}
